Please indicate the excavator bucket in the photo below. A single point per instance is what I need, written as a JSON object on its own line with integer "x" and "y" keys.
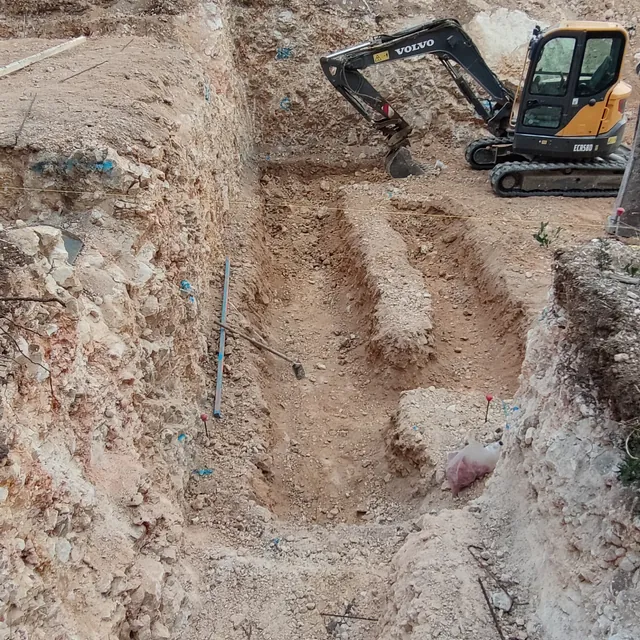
{"x": 400, "y": 164}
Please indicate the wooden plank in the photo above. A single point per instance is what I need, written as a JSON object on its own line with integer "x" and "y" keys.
{"x": 43, "y": 55}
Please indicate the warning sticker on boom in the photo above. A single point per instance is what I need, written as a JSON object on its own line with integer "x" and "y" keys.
{"x": 381, "y": 57}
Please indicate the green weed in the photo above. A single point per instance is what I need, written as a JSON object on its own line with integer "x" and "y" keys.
{"x": 544, "y": 237}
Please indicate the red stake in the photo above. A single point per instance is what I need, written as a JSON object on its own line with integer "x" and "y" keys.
{"x": 619, "y": 214}
{"x": 489, "y": 399}
{"x": 204, "y": 417}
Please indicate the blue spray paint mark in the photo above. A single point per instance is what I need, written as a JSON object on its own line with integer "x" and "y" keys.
{"x": 203, "y": 472}
{"x": 284, "y": 53}
{"x": 507, "y": 410}
{"x": 104, "y": 167}
{"x": 285, "y": 103}
{"x": 68, "y": 165}
{"x": 275, "y": 545}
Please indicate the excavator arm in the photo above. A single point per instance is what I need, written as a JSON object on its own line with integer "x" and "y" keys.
{"x": 445, "y": 39}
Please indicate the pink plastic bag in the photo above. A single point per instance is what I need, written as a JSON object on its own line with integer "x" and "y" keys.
{"x": 474, "y": 461}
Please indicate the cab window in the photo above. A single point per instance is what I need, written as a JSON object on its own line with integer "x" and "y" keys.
{"x": 546, "y": 116}
{"x": 600, "y": 64}
{"x": 551, "y": 76}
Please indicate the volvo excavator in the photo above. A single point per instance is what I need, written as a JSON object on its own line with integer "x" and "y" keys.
{"x": 559, "y": 134}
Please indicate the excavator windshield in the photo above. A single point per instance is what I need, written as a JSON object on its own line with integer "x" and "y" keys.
{"x": 553, "y": 68}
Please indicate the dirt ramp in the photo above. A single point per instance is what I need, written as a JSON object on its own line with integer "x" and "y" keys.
{"x": 400, "y": 306}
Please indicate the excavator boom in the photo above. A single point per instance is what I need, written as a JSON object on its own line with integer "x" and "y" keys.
{"x": 445, "y": 39}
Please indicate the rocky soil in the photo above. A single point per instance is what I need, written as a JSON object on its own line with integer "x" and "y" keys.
{"x": 565, "y": 448}
{"x": 183, "y": 132}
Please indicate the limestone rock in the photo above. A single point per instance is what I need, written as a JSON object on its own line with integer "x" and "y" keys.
{"x": 630, "y": 561}
{"x": 26, "y": 239}
{"x": 64, "y": 275}
{"x": 63, "y": 549}
{"x": 528, "y": 436}
{"x": 150, "y": 306}
{"x": 173, "y": 598}
{"x": 199, "y": 503}
{"x": 136, "y": 500}
{"x": 500, "y": 600}
{"x": 159, "y": 631}
{"x": 151, "y": 575}
{"x": 52, "y": 243}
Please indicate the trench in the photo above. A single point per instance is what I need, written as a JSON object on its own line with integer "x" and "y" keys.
{"x": 339, "y": 509}
{"x": 328, "y": 430}
{"x": 330, "y": 462}
{"x": 479, "y": 330}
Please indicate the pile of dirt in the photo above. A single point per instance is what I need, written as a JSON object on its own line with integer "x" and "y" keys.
{"x": 430, "y": 424}
{"x": 396, "y": 301}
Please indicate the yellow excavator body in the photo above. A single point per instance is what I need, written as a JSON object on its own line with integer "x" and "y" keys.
{"x": 605, "y": 114}
{"x": 602, "y": 117}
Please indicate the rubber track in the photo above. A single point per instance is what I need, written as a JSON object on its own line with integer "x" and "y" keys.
{"x": 605, "y": 166}
{"x": 477, "y": 144}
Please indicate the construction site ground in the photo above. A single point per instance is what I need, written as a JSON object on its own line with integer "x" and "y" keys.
{"x": 378, "y": 286}
{"x": 340, "y": 503}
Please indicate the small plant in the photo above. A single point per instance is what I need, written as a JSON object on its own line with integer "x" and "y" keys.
{"x": 629, "y": 468}
{"x": 631, "y": 270}
{"x": 544, "y": 237}
{"x": 629, "y": 471}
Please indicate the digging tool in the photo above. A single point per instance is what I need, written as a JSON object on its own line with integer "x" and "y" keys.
{"x": 298, "y": 369}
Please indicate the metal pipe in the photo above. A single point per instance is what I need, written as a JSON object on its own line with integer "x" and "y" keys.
{"x": 217, "y": 405}
{"x": 335, "y": 54}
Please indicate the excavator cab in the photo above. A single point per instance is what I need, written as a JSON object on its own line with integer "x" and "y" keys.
{"x": 571, "y": 101}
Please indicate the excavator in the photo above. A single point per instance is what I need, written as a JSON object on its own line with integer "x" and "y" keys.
{"x": 559, "y": 134}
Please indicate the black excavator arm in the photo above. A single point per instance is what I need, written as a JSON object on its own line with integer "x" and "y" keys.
{"x": 445, "y": 39}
